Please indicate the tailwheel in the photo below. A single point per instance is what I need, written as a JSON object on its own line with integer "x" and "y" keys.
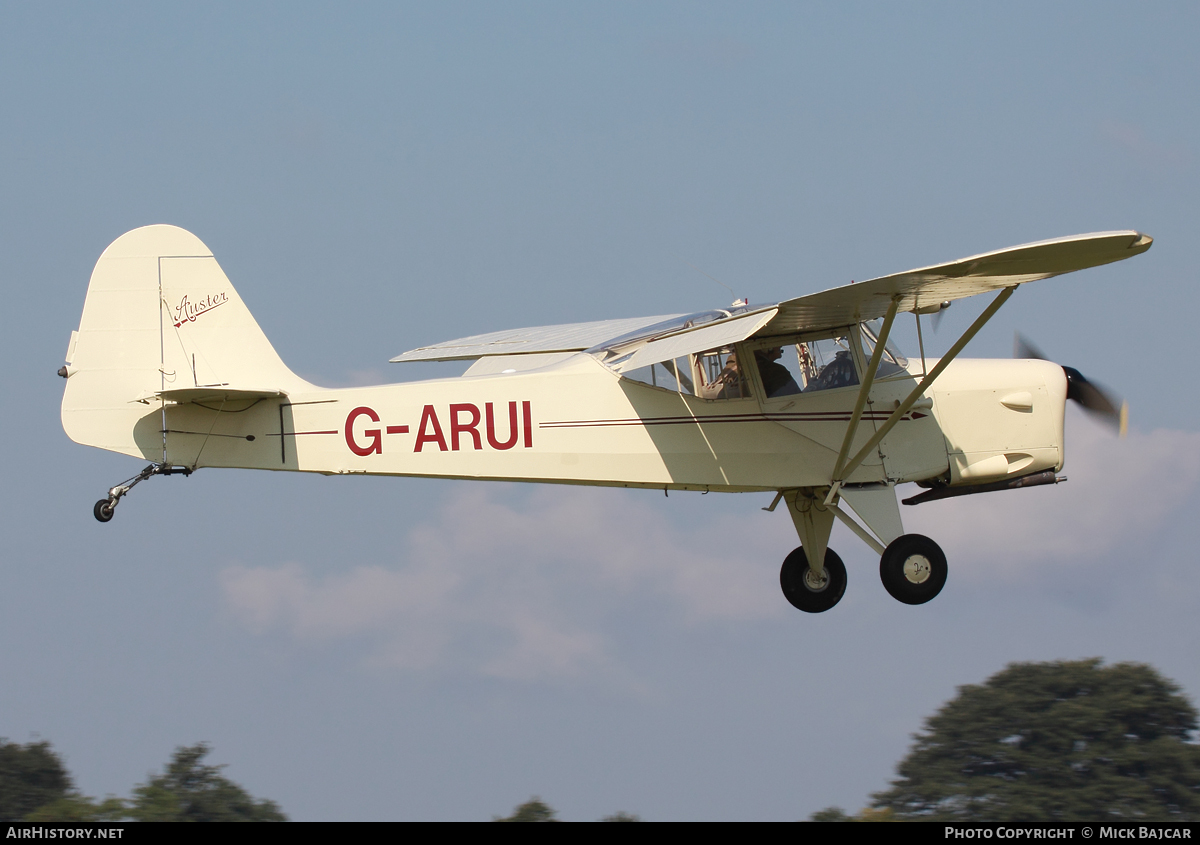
{"x": 807, "y": 590}
{"x": 913, "y": 569}
{"x": 104, "y": 509}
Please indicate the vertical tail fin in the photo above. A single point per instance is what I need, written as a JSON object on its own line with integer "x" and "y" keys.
{"x": 160, "y": 316}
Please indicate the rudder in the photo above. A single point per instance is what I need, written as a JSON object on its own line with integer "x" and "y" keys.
{"x": 160, "y": 315}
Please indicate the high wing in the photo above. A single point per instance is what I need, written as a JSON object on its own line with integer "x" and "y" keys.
{"x": 689, "y": 340}
{"x": 640, "y": 341}
{"x": 566, "y": 337}
{"x": 929, "y": 286}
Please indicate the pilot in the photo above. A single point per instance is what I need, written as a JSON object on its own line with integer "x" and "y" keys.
{"x": 776, "y": 379}
{"x": 727, "y": 384}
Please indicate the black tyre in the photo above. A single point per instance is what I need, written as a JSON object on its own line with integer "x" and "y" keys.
{"x": 913, "y": 569}
{"x": 104, "y": 510}
{"x": 807, "y": 594}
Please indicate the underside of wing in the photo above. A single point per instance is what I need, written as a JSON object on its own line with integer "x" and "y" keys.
{"x": 566, "y": 337}
{"x": 929, "y": 286}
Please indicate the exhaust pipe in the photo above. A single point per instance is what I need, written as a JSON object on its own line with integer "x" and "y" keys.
{"x": 1037, "y": 479}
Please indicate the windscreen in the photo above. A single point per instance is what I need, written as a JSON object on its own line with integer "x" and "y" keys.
{"x": 892, "y": 362}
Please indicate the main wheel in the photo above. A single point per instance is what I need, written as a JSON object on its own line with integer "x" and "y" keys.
{"x": 808, "y": 592}
{"x": 104, "y": 509}
{"x": 913, "y": 569}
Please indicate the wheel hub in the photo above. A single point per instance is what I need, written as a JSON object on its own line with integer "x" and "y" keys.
{"x": 917, "y": 569}
{"x": 815, "y": 583}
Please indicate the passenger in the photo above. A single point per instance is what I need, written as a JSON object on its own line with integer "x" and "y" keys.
{"x": 777, "y": 380}
{"x": 727, "y": 384}
{"x": 837, "y": 373}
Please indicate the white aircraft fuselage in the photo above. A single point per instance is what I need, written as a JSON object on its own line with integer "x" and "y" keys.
{"x": 576, "y": 422}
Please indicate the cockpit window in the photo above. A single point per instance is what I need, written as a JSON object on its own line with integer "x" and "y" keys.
{"x": 806, "y": 366}
{"x": 893, "y": 362}
{"x": 721, "y": 375}
{"x": 674, "y": 375}
{"x": 826, "y": 363}
{"x": 778, "y": 370}
{"x": 715, "y": 374}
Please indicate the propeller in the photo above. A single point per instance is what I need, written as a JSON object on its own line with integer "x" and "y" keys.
{"x": 1098, "y": 402}
{"x": 937, "y": 316}
{"x": 936, "y": 310}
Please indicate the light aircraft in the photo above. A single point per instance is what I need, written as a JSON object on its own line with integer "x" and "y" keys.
{"x": 805, "y": 398}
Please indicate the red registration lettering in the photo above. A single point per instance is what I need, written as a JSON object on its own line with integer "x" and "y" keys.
{"x": 375, "y": 444}
{"x": 430, "y": 430}
{"x": 458, "y": 427}
{"x": 513, "y": 429}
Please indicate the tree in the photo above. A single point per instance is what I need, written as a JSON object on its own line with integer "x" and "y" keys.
{"x": 533, "y": 810}
{"x": 189, "y": 791}
{"x": 1062, "y": 741}
{"x": 81, "y": 808}
{"x": 866, "y": 814}
{"x": 30, "y": 776}
{"x": 622, "y": 816}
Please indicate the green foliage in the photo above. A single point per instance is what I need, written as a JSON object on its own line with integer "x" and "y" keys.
{"x": 80, "y": 808}
{"x": 866, "y": 814}
{"x": 1062, "y": 741}
{"x": 622, "y": 816}
{"x": 537, "y": 810}
{"x": 533, "y": 810}
{"x": 30, "y": 776}
{"x": 35, "y": 786}
{"x": 189, "y": 791}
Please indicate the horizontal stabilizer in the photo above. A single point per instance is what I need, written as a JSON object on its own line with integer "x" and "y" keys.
{"x": 211, "y": 393}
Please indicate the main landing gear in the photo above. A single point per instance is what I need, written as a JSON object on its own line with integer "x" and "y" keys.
{"x": 913, "y": 570}
{"x": 813, "y": 577}
{"x": 810, "y": 591}
{"x": 104, "y": 509}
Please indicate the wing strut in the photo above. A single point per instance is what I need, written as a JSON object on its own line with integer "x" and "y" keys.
{"x": 865, "y": 389}
{"x": 904, "y": 407}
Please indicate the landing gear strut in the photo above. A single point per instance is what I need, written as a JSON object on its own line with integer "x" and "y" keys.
{"x": 911, "y": 566}
{"x": 913, "y": 569}
{"x": 104, "y": 509}
{"x": 808, "y": 590}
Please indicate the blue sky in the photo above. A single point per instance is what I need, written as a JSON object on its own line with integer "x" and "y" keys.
{"x": 380, "y": 177}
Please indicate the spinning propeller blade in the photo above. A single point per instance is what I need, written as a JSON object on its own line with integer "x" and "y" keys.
{"x": 1092, "y": 397}
{"x": 937, "y": 320}
{"x": 1022, "y": 348}
{"x": 936, "y": 311}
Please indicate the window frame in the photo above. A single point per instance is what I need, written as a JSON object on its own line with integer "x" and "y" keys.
{"x": 751, "y": 382}
{"x": 853, "y": 332}
{"x": 677, "y": 390}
